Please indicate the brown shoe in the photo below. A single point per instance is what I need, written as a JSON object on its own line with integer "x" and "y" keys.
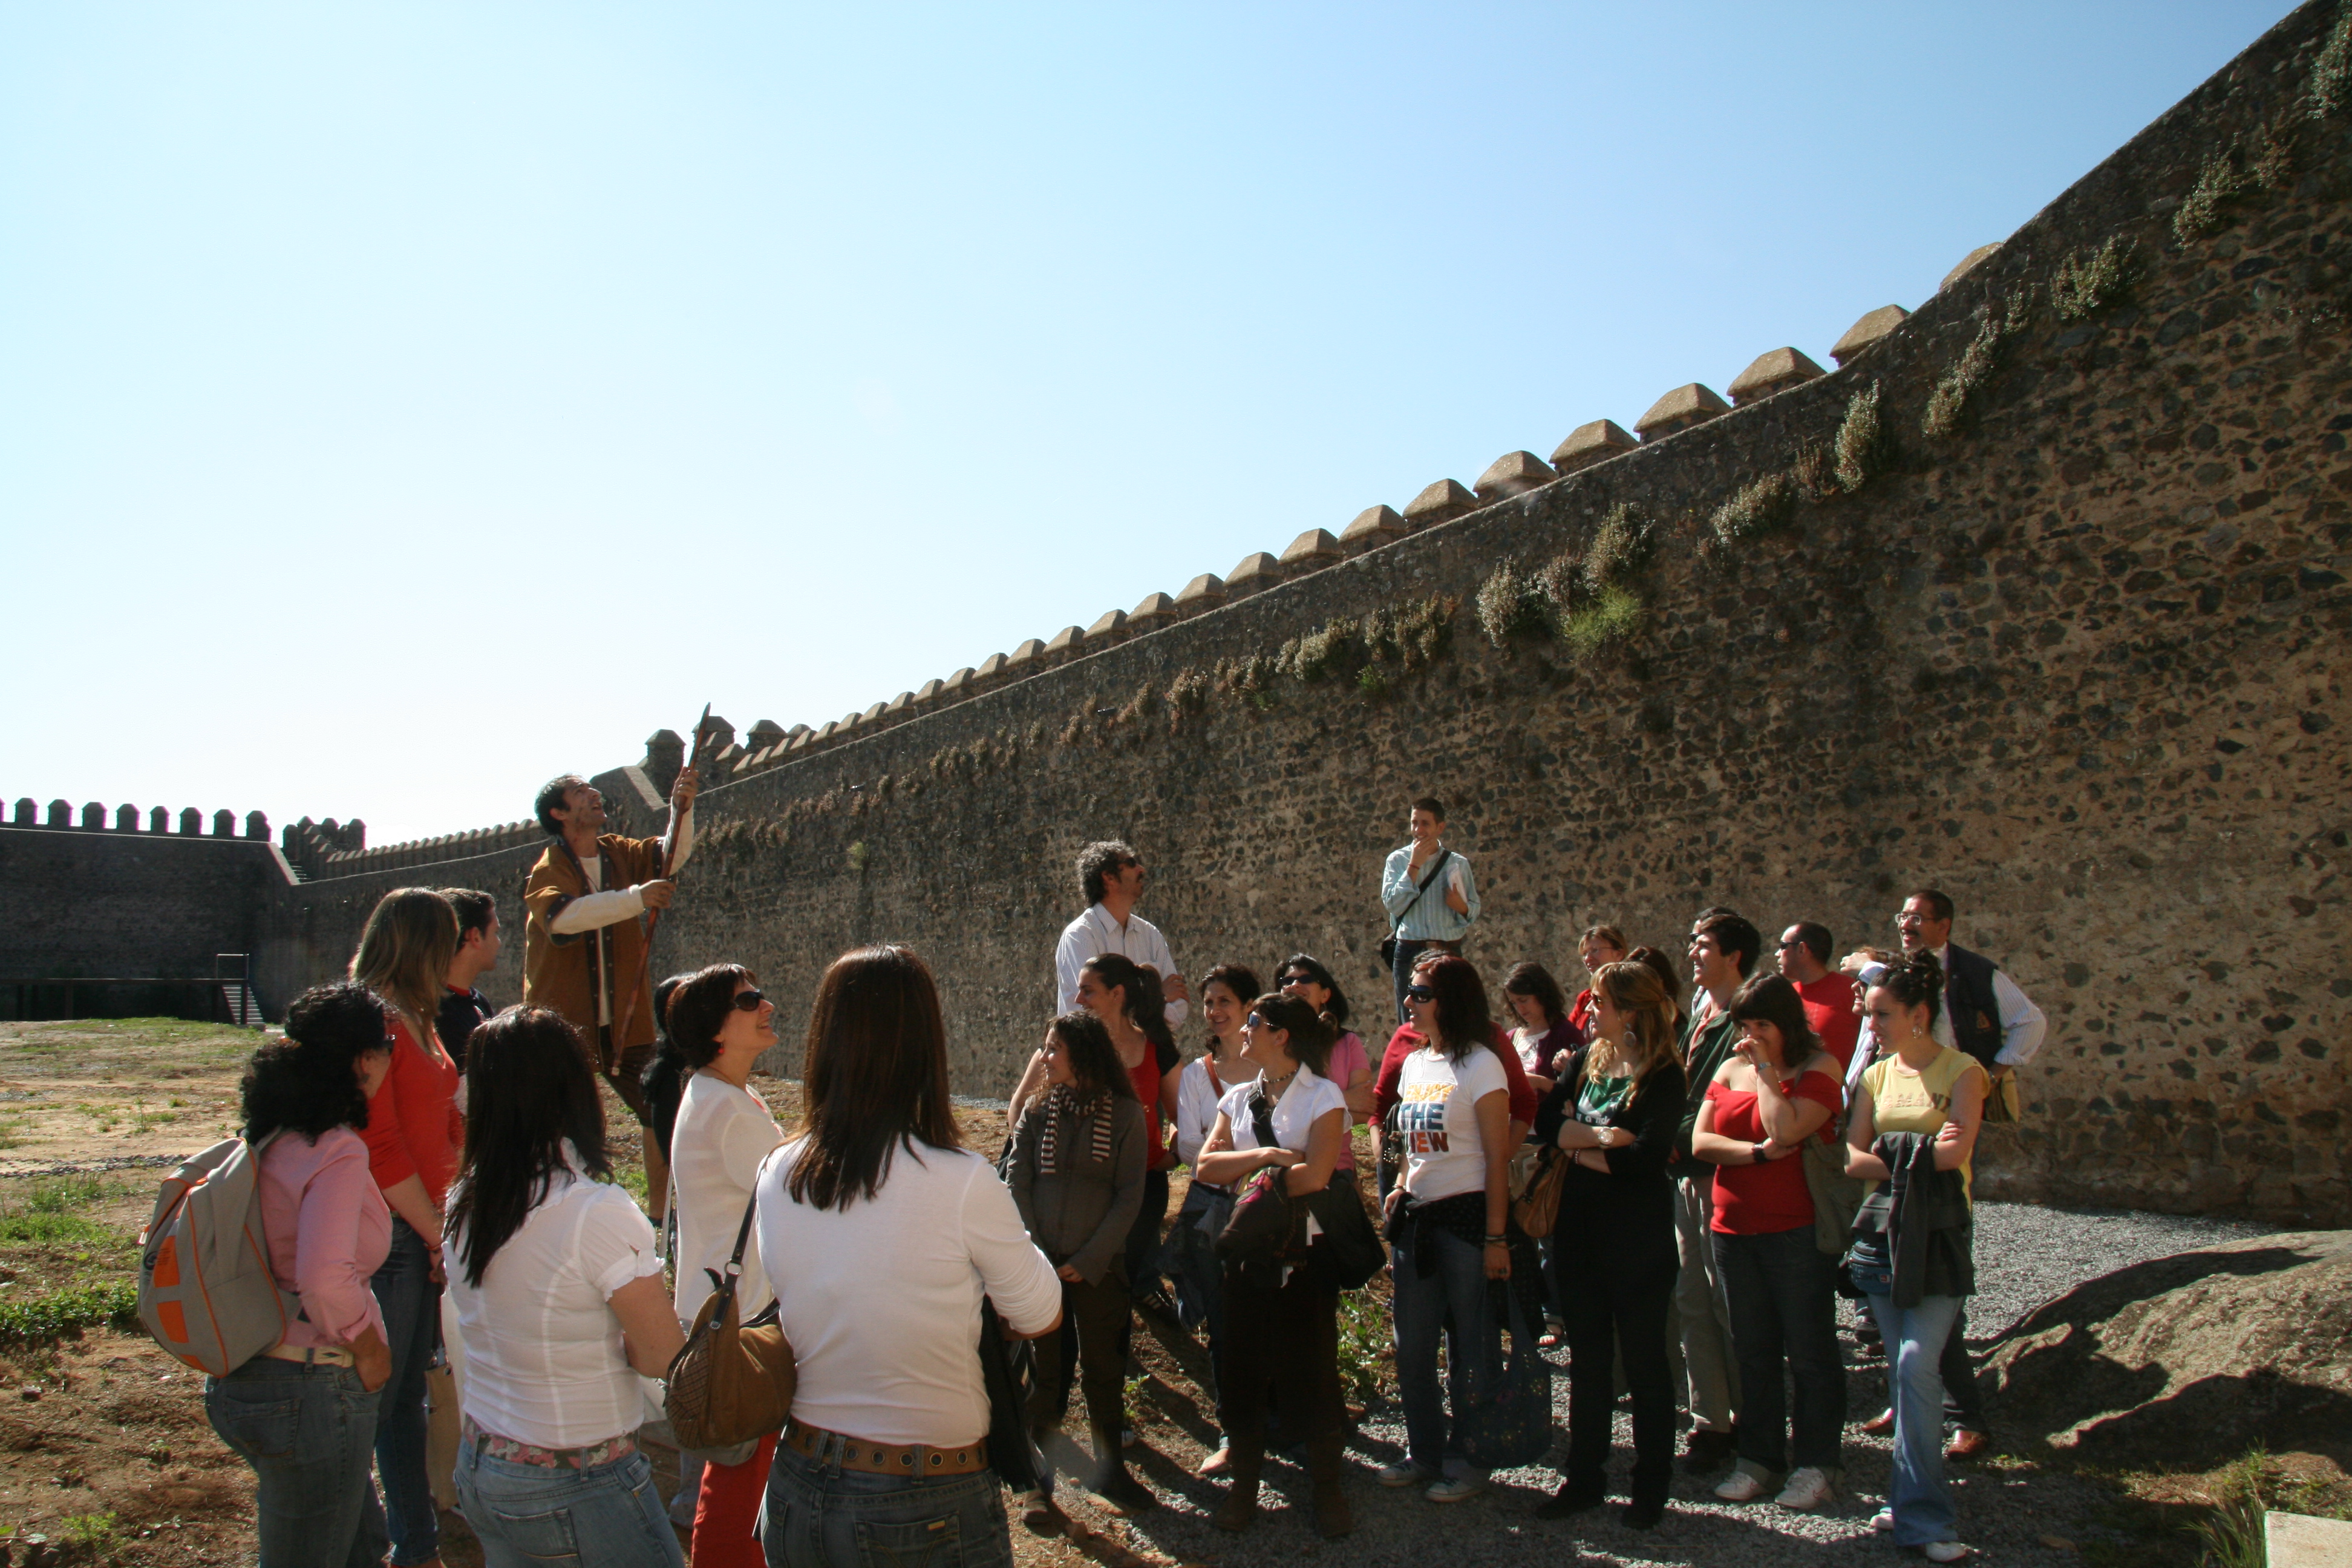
{"x": 1968, "y": 1444}
{"x": 1880, "y": 1425}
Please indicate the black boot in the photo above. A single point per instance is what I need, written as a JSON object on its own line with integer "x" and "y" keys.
{"x": 1238, "y": 1510}
{"x": 1332, "y": 1516}
{"x": 1122, "y": 1491}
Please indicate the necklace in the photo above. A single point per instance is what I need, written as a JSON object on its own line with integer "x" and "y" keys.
{"x": 1275, "y": 1085}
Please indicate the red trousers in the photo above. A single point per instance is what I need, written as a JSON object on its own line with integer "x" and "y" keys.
{"x": 727, "y": 1512}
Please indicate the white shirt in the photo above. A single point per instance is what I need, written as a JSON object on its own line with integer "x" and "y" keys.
{"x": 1095, "y": 933}
{"x": 1304, "y": 1100}
{"x": 543, "y": 1360}
{"x": 722, "y": 1137}
{"x": 2022, "y": 1025}
{"x": 1196, "y": 1108}
{"x": 881, "y": 1299}
{"x": 1438, "y": 1116}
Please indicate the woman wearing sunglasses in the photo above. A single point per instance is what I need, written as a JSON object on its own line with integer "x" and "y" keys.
{"x": 721, "y": 1022}
{"x": 1350, "y": 1067}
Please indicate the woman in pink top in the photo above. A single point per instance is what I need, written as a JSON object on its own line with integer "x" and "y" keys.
{"x": 1350, "y": 1067}
{"x": 303, "y": 1413}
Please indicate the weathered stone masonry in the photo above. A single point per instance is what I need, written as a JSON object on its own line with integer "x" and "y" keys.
{"x": 2065, "y": 638}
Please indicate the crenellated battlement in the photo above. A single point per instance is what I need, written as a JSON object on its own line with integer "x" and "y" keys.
{"x": 94, "y": 817}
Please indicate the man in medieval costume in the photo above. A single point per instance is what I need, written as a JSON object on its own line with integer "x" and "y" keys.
{"x": 584, "y": 938}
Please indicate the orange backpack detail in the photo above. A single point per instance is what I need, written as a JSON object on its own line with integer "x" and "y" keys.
{"x": 205, "y": 1292}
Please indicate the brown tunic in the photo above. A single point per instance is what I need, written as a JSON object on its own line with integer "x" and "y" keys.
{"x": 566, "y": 973}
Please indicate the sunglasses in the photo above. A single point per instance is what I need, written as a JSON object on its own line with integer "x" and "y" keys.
{"x": 748, "y": 1001}
{"x": 1419, "y": 993}
{"x": 1299, "y": 979}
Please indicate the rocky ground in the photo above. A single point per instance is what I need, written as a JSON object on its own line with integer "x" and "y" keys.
{"x": 104, "y": 1450}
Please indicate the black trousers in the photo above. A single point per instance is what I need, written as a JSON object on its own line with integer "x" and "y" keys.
{"x": 1286, "y": 1340}
{"x": 1098, "y": 1315}
{"x": 1609, "y": 1302}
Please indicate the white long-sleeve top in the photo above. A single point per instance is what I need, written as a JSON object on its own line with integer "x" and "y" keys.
{"x": 2023, "y": 1026}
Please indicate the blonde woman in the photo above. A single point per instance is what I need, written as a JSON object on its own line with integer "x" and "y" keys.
{"x": 1616, "y": 1111}
{"x": 414, "y": 1134}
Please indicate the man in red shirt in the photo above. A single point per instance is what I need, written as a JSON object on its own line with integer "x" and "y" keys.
{"x": 1827, "y": 994}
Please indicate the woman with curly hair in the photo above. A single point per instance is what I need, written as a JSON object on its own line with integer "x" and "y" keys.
{"x": 303, "y": 1412}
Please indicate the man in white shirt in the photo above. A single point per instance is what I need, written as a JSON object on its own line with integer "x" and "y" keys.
{"x": 1111, "y": 874}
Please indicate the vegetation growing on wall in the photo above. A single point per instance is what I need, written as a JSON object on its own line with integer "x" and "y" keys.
{"x": 2091, "y": 280}
{"x": 1860, "y": 449}
{"x": 1755, "y": 510}
{"x": 2001, "y": 320}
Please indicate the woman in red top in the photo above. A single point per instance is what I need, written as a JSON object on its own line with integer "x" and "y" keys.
{"x": 1778, "y": 1089}
{"x": 413, "y": 1136}
{"x": 1602, "y": 944}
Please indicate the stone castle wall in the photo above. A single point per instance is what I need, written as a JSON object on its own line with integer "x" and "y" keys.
{"x": 2063, "y": 638}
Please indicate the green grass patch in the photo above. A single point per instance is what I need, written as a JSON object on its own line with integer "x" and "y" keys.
{"x": 50, "y": 1230}
{"x": 1611, "y": 613}
{"x": 37, "y": 1319}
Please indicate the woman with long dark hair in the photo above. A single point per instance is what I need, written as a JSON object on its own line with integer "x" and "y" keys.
{"x": 413, "y": 1132}
{"x": 558, "y": 1296}
{"x": 1936, "y": 1095}
{"x": 1281, "y": 1322}
{"x": 720, "y": 1023}
{"x": 1614, "y": 1112}
{"x": 1778, "y": 1088}
{"x": 1306, "y": 977}
{"x": 1541, "y": 1033}
{"x": 1448, "y": 1211}
{"x": 1077, "y": 1174}
{"x": 880, "y": 1234}
{"x": 303, "y": 1412}
{"x": 1191, "y": 1258}
{"x": 1126, "y": 996}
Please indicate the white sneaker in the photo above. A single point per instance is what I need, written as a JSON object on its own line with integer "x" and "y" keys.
{"x": 1740, "y": 1486}
{"x": 1403, "y": 1473}
{"x": 1944, "y": 1551}
{"x": 1453, "y": 1488}
{"x": 1809, "y": 1486}
{"x": 1883, "y": 1521}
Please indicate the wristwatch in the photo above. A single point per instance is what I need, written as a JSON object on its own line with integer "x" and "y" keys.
{"x": 1756, "y": 1151}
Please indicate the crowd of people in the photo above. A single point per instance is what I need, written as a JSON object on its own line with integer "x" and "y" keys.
{"x": 1678, "y": 1186}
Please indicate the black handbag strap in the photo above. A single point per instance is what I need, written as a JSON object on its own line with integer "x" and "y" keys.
{"x": 1425, "y": 884}
{"x": 735, "y": 1259}
{"x": 1262, "y": 1119}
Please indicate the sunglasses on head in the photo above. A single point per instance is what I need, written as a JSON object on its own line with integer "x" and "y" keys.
{"x": 748, "y": 1001}
{"x": 1419, "y": 993}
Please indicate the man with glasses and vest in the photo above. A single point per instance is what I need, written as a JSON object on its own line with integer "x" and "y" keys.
{"x": 583, "y": 935}
{"x": 1431, "y": 898}
{"x": 1999, "y": 1025}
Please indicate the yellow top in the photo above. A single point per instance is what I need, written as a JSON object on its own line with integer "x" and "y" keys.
{"x": 1902, "y": 1100}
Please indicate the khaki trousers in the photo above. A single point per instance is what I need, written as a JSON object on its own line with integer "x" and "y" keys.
{"x": 1702, "y": 1310}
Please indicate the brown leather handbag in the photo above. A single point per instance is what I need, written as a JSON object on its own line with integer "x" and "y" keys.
{"x": 1536, "y": 1209}
{"x": 730, "y": 1384}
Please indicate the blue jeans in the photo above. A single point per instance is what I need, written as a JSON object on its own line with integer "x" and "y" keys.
{"x": 532, "y": 1516}
{"x": 411, "y": 1303}
{"x": 1915, "y": 1337}
{"x": 307, "y": 1431}
{"x": 818, "y": 1515}
{"x": 1452, "y": 1302}
{"x": 1782, "y": 1291}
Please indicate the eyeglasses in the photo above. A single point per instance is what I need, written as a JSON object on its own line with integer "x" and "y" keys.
{"x": 1253, "y": 1022}
{"x": 1787, "y": 945}
{"x": 1419, "y": 993}
{"x": 1289, "y": 980}
{"x": 748, "y": 1001}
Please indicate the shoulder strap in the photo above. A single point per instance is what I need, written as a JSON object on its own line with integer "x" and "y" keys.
{"x": 743, "y": 1235}
{"x": 1442, "y": 857}
{"x": 1262, "y": 1119}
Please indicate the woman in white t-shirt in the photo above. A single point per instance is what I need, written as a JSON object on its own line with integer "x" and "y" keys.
{"x": 719, "y": 1022}
{"x": 1448, "y": 1211}
{"x": 1282, "y": 1331}
{"x": 558, "y": 1292}
{"x": 880, "y": 1234}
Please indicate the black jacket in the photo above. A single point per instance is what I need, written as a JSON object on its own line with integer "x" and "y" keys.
{"x": 1631, "y": 1207}
{"x": 1924, "y": 1215}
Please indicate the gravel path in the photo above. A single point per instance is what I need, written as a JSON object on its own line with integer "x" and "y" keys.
{"x": 2025, "y": 1256}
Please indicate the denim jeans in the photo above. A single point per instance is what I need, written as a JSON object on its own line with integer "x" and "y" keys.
{"x": 411, "y": 1303}
{"x": 532, "y": 1516}
{"x": 1915, "y": 1337}
{"x": 818, "y": 1515}
{"x": 308, "y": 1432}
{"x": 1452, "y": 1302}
{"x": 1782, "y": 1289}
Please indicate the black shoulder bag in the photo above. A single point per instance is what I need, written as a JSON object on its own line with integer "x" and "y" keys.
{"x": 1389, "y": 943}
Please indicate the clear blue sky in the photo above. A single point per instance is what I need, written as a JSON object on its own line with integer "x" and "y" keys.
{"x": 401, "y": 402}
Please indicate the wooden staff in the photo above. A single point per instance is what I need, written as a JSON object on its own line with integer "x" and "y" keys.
{"x": 651, "y": 918}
